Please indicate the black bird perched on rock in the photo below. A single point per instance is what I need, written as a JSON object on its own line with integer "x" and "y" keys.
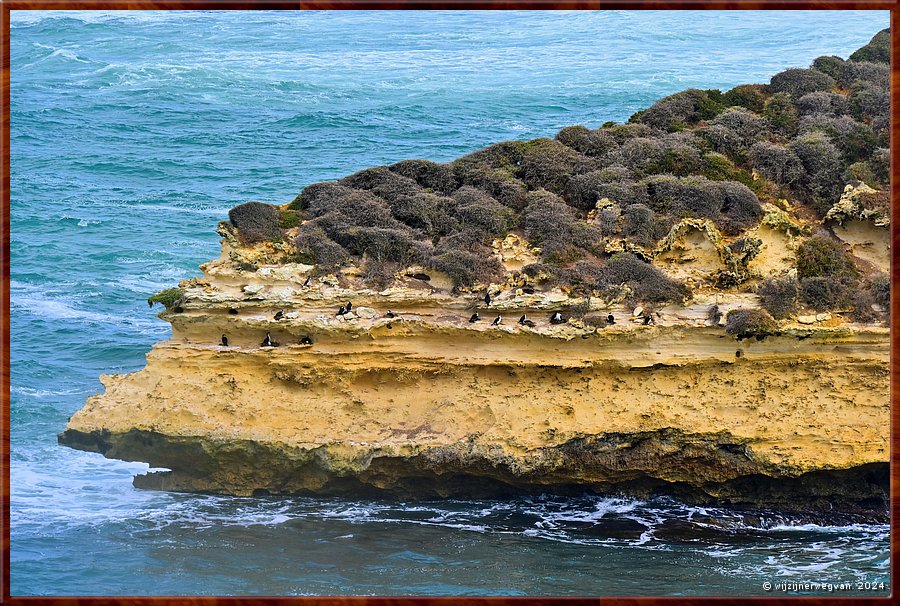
{"x": 497, "y": 321}
{"x": 349, "y": 305}
{"x": 279, "y": 314}
{"x": 224, "y": 341}
{"x": 525, "y": 321}
{"x": 389, "y": 314}
{"x": 342, "y": 311}
{"x": 610, "y": 319}
{"x": 527, "y": 290}
{"x": 306, "y": 340}
{"x": 308, "y": 280}
{"x": 648, "y": 319}
{"x": 557, "y": 318}
{"x": 487, "y": 298}
{"x": 474, "y": 318}
{"x": 232, "y": 311}
{"x": 267, "y": 342}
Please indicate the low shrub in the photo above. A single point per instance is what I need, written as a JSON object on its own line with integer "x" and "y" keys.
{"x": 429, "y": 175}
{"x": 781, "y": 113}
{"x": 779, "y": 296}
{"x": 624, "y": 132}
{"x": 740, "y": 208}
{"x": 478, "y": 212}
{"x": 831, "y": 66}
{"x": 878, "y": 48}
{"x": 880, "y": 165}
{"x": 747, "y": 125}
{"x": 315, "y": 247}
{"x": 647, "y": 283}
{"x": 256, "y": 222}
{"x": 549, "y": 164}
{"x": 680, "y": 110}
{"x": 713, "y": 315}
{"x": 821, "y": 183}
{"x": 731, "y": 205}
{"x": 862, "y": 310}
{"x": 776, "y": 163}
{"x": 880, "y": 287}
{"x": 583, "y": 191}
{"x": 824, "y": 293}
{"x": 723, "y": 140}
{"x": 871, "y": 104}
{"x": 378, "y": 243}
{"x": 288, "y": 218}
{"x": 823, "y": 103}
{"x": 551, "y": 224}
{"x": 822, "y": 257}
{"x": 326, "y": 194}
{"x": 169, "y": 298}
{"x": 744, "y": 323}
{"x": 797, "y": 82}
{"x": 855, "y": 140}
{"x": 641, "y": 225}
{"x": 588, "y": 142}
{"x": 379, "y": 274}
{"x": 718, "y": 167}
{"x": 876, "y": 74}
{"x": 466, "y": 268}
{"x": 749, "y": 96}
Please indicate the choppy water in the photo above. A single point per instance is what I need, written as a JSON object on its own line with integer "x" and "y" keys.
{"x": 133, "y": 134}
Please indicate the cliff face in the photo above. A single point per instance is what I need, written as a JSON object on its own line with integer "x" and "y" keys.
{"x": 740, "y": 241}
{"x": 425, "y": 403}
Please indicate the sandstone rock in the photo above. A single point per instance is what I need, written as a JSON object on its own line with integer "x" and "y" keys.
{"x": 806, "y": 319}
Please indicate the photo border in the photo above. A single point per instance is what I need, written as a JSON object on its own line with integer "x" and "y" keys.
{"x": 9, "y": 5}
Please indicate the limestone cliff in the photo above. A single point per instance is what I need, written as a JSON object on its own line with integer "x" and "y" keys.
{"x": 716, "y": 270}
{"x": 424, "y": 403}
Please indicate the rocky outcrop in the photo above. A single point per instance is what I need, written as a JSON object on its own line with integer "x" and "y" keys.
{"x": 426, "y": 404}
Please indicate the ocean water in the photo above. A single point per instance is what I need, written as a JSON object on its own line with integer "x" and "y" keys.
{"x": 133, "y": 133}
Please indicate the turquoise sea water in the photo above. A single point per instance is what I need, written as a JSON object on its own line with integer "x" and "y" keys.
{"x": 133, "y": 134}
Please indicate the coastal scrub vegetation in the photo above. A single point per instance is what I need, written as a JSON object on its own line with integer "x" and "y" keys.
{"x": 746, "y": 323}
{"x": 597, "y": 201}
{"x": 169, "y": 298}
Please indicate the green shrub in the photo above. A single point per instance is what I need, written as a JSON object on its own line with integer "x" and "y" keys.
{"x": 288, "y": 218}
{"x": 797, "y": 82}
{"x": 779, "y": 296}
{"x": 878, "y": 48}
{"x": 170, "y": 297}
{"x": 831, "y": 66}
{"x": 624, "y": 132}
{"x": 429, "y": 175}
{"x": 718, "y": 167}
{"x": 356, "y": 208}
{"x": 256, "y": 222}
{"x": 646, "y": 282}
{"x": 588, "y": 142}
{"x": 822, "y": 257}
{"x": 745, "y": 323}
{"x": 680, "y": 110}
{"x": 781, "y": 113}
{"x": 749, "y": 96}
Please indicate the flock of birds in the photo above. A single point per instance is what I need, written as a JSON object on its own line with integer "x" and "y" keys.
{"x": 555, "y": 318}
